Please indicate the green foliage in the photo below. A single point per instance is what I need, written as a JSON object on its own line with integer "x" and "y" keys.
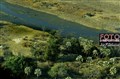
{"x": 112, "y": 60}
{"x": 67, "y": 57}
{"x": 38, "y": 72}
{"x": 115, "y": 51}
{"x": 79, "y": 58}
{"x": 15, "y": 63}
{"x": 89, "y": 59}
{"x": 86, "y": 44}
{"x": 113, "y": 70}
{"x": 105, "y": 51}
{"x": 70, "y": 45}
{"x": 37, "y": 49}
{"x": 100, "y": 63}
{"x": 27, "y": 70}
{"x": 58, "y": 70}
{"x": 106, "y": 63}
{"x": 52, "y": 50}
{"x": 95, "y": 53}
{"x": 68, "y": 78}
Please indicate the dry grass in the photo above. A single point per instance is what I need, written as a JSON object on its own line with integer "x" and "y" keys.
{"x": 14, "y": 36}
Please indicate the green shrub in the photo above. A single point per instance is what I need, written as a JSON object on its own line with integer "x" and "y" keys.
{"x": 106, "y": 63}
{"x": 113, "y": 70}
{"x": 52, "y": 50}
{"x": 105, "y": 52}
{"x": 37, "y": 49}
{"x": 70, "y": 45}
{"x": 86, "y": 44}
{"x": 112, "y": 60}
{"x": 58, "y": 70}
{"x": 27, "y": 70}
{"x": 38, "y": 72}
{"x": 79, "y": 58}
{"x": 68, "y": 78}
{"x": 17, "y": 64}
{"x": 95, "y": 53}
{"x": 89, "y": 59}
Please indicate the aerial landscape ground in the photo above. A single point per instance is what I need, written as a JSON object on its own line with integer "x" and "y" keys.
{"x": 58, "y": 39}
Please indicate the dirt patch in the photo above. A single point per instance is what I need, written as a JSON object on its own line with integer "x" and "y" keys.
{"x": 17, "y": 40}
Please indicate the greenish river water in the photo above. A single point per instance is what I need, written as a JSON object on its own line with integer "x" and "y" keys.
{"x": 38, "y": 20}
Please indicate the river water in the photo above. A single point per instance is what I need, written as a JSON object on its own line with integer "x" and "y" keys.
{"x": 37, "y": 19}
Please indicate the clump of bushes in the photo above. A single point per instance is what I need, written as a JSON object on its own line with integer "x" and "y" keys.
{"x": 59, "y": 70}
{"x": 16, "y": 65}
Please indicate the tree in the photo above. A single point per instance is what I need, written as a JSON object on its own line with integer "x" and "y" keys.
{"x": 58, "y": 70}
{"x": 38, "y": 72}
{"x": 86, "y": 44}
{"x": 70, "y": 45}
{"x": 27, "y": 70}
{"x": 79, "y": 58}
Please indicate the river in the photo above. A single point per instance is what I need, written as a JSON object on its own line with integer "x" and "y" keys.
{"x": 37, "y": 19}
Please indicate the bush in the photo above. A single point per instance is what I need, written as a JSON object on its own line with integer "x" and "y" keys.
{"x": 113, "y": 70}
{"x": 106, "y": 63}
{"x": 89, "y": 59}
{"x": 112, "y": 60}
{"x": 58, "y": 70}
{"x": 52, "y": 50}
{"x": 86, "y": 44}
{"x": 37, "y": 49}
{"x": 105, "y": 52}
{"x": 70, "y": 45}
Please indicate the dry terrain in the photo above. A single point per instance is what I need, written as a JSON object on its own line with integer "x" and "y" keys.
{"x": 19, "y": 38}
